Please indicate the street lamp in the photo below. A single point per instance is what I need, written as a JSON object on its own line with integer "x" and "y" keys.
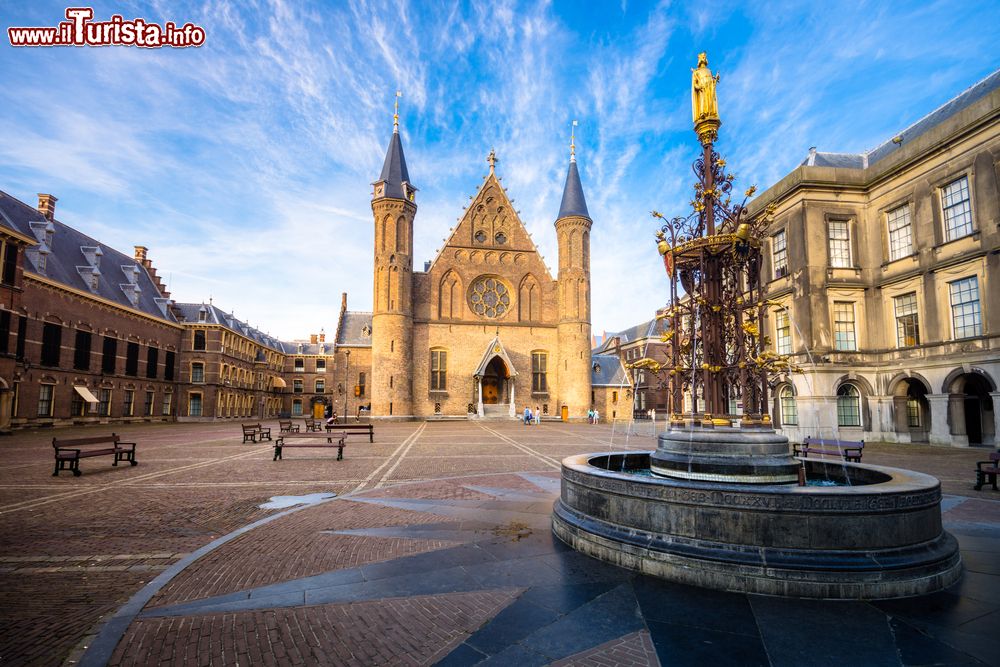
{"x": 347, "y": 384}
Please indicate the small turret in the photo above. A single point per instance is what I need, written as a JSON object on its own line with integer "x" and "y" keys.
{"x": 393, "y": 208}
{"x": 573, "y": 232}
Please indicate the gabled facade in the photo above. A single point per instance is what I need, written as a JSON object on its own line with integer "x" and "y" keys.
{"x": 484, "y": 329}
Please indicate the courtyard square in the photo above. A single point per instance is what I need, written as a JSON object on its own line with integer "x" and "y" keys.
{"x": 436, "y": 547}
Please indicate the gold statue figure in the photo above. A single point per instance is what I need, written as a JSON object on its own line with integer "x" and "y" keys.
{"x": 704, "y": 105}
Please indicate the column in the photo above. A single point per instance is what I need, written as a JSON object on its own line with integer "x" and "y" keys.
{"x": 479, "y": 384}
{"x": 883, "y": 427}
{"x": 940, "y": 433}
{"x": 956, "y": 420}
{"x": 513, "y": 406}
{"x": 995, "y": 395}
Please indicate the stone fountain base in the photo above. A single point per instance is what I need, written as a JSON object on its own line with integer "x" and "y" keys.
{"x": 881, "y": 537}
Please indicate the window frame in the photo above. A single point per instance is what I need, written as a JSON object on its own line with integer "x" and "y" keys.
{"x": 539, "y": 372}
{"x": 904, "y": 328}
{"x": 782, "y": 341}
{"x": 51, "y": 351}
{"x": 845, "y": 392}
{"x": 976, "y": 313}
{"x": 439, "y": 369}
{"x": 49, "y": 400}
{"x": 81, "y": 350}
{"x": 200, "y": 335}
{"x": 839, "y": 249}
{"x": 786, "y": 400}
{"x": 950, "y": 231}
{"x": 895, "y": 234}
{"x": 200, "y": 365}
{"x": 837, "y": 345}
{"x": 779, "y": 256}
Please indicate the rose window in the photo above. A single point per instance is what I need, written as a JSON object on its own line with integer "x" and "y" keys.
{"x": 489, "y": 297}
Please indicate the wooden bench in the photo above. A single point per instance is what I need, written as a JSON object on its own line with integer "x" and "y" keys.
{"x": 986, "y": 471}
{"x": 286, "y": 426}
{"x": 69, "y": 451}
{"x": 850, "y": 450}
{"x": 281, "y": 442}
{"x": 349, "y": 429}
{"x": 314, "y": 424}
{"x": 253, "y": 431}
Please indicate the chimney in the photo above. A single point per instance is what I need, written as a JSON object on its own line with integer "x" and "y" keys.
{"x": 313, "y": 338}
{"x": 322, "y": 334}
{"x": 343, "y": 301}
{"x": 140, "y": 254}
{"x": 812, "y": 156}
{"x": 47, "y": 206}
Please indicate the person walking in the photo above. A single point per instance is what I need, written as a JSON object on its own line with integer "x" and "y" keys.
{"x": 527, "y": 416}
{"x": 538, "y": 415}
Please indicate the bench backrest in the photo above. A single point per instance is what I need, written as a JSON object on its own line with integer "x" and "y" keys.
{"x": 854, "y": 444}
{"x": 250, "y": 426}
{"x": 95, "y": 440}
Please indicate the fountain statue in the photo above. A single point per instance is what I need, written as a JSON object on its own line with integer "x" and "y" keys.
{"x": 722, "y": 502}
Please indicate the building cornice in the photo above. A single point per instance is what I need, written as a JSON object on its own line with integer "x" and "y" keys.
{"x": 62, "y": 287}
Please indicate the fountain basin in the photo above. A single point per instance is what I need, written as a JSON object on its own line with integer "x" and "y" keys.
{"x": 880, "y": 537}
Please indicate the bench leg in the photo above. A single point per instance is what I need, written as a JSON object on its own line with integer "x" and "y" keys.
{"x": 340, "y": 453}
{"x": 277, "y": 452}
{"x": 75, "y": 467}
{"x": 55, "y": 473}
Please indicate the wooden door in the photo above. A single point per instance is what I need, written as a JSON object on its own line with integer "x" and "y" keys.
{"x": 491, "y": 390}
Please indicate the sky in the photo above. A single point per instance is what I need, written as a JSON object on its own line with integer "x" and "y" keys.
{"x": 245, "y": 165}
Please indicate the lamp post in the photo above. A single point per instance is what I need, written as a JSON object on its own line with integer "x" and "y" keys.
{"x": 347, "y": 385}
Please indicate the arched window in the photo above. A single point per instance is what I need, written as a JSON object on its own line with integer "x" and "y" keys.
{"x": 400, "y": 235}
{"x": 789, "y": 410}
{"x": 848, "y": 406}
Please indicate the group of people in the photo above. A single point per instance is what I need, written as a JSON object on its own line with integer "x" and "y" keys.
{"x": 532, "y": 417}
{"x": 593, "y": 417}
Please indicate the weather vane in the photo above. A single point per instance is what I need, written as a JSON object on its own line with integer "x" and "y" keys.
{"x": 395, "y": 114}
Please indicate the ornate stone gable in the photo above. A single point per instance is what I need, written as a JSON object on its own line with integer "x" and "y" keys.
{"x": 489, "y": 269}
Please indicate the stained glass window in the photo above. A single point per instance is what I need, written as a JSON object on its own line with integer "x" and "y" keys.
{"x": 489, "y": 297}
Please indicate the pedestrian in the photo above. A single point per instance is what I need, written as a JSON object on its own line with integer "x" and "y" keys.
{"x": 527, "y": 416}
{"x": 538, "y": 415}
{"x": 597, "y": 417}
{"x": 590, "y": 416}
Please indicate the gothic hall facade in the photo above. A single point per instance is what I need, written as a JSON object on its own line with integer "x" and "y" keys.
{"x": 485, "y": 329}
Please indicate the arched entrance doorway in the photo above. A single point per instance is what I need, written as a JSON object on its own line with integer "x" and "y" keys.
{"x": 495, "y": 382}
{"x": 911, "y": 410}
{"x": 319, "y": 404}
{"x": 971, "y": 406}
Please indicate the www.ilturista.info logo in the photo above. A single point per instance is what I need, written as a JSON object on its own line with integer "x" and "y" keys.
{"x": 80, "y": 30}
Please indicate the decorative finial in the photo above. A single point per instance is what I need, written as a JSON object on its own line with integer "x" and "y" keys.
{"x": 395, "y": 114}
{"x": 492, "y": 159}
{"x": 572, "y": 142}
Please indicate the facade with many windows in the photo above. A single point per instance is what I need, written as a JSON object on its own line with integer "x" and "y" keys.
{"x": 90, "y": 335}
{"x": 884, "y": 273}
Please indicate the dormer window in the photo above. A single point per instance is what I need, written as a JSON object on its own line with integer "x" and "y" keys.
{"x": 95, "y": 281}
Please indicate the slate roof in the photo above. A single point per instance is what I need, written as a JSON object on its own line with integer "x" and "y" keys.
{"x": 394, "y": 169}
{"x": 606, "y": 370}
{"x": 66, "y": 255}
{"x": 648, "y": 329}
{"x": 350, "y": 329}
{"x": 573, "y": 201}
{"x": 925, "y": 124}
{"x": 191, "y": 313}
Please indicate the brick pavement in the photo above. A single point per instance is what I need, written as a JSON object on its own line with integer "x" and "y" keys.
{"x": 74, "y": 549}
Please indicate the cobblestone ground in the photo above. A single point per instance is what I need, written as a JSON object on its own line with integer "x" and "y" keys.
{"x": 75, "y": 549}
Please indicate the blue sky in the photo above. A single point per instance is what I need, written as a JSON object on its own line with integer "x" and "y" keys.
{"x": 245, "y": 165}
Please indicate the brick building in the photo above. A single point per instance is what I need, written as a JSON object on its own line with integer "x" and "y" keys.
{"x": 484, "y": 329}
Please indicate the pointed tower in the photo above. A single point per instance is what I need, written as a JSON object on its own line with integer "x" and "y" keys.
{"x": 573, "y": 234}
{"x": 393, "y": 209}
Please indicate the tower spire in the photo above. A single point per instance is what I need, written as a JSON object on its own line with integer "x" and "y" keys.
{"x": 572, "y": 142}
{"x": 573, "y": 202}
{"x": 395, "y": 113}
